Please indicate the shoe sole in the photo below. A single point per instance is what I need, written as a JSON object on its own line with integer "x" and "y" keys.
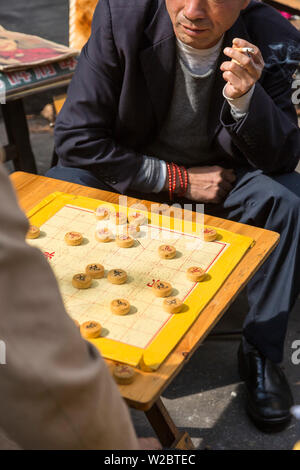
{"x": 269, "y": 426}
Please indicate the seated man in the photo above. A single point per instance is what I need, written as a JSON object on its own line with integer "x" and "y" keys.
{"x": 197, "y": 84}
{"x": 55, "y": 390}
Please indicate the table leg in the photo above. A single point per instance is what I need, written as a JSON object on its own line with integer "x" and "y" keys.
{"x": 163, "y": 425}
{"x": 18, "y": 135}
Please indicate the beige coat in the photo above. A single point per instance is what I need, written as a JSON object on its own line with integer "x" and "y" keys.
{"x": 55, "y": 389}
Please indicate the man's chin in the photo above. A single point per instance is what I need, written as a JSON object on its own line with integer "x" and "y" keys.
{"x": 204, "y": 42}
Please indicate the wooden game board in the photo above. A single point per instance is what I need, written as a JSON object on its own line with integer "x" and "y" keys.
{"x": 147, "y": 334}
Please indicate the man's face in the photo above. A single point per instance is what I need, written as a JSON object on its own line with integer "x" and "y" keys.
{"x": 201, "y": 23}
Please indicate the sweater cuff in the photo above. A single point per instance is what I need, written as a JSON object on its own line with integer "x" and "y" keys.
{"x": 162, "y": 177}
{"x": 239, "y": 107}
{"x": 151, "y": 176}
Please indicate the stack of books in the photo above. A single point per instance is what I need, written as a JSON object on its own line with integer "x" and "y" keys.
{"x": 30, "y": 62}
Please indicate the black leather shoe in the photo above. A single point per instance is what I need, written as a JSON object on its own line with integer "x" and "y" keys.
{"x": 269, "y": 398}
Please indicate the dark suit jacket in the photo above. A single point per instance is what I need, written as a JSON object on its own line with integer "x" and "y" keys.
{"x": 122, "y": 87}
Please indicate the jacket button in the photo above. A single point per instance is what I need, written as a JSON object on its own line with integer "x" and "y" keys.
{"x": 113, "y": 180}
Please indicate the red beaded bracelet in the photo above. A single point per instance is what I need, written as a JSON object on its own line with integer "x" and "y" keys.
{"x": 174, "y": 177}
{"x": 175, "y": 172}
{"x": 183, "y": 183}
{"x": 170, "y": 181}
{"x": 185, "y": 179}
{"x": 180, "y": 193}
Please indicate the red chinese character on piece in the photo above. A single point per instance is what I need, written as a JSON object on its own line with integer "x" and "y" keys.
{"x": 151, "y": 284}
{"x": 49, "y": 255}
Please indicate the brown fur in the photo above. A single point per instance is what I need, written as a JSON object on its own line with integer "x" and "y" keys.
{"x": 83, "y": 20}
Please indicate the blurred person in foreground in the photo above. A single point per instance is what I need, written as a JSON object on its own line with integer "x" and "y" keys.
{"x": 55, "y": 389}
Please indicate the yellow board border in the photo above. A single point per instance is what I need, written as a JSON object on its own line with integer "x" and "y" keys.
{"x": 153, "y": 356}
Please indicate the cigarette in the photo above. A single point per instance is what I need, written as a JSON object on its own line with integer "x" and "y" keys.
{"x": 245, "y": 49}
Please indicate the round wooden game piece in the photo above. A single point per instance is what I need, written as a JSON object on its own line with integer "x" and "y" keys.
{"x": 124, "y": 241}
{"x": 103, "y": 235}
{"x": 123, "y": 374}
{"x": 137, "y": 218}
{"x": 119, "y": 218}
{"x": 160, "y": 209}
{"x": 133, "y": 230}
{"x": 96, "y": 271}
{"x": 90, "y": 329}
{"x": 81, "y": 281}
{"x": 33, "y": 232}
{"x": 117, "y": 276}
{"x": 172, "y": 305}
{"x": 73, "y": 238}
{"x": 102, "y": 213}
{"x": 167, "y": 251}
{"x": 120, "y": 306}
{"x": 195, "y": 274}
{"x": 209, "y": 234}
{"x": 162, "y": 288}
{"x": 137, "y": 206}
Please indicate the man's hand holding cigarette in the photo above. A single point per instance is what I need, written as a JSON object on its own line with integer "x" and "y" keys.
{"x": 244, "y": 70}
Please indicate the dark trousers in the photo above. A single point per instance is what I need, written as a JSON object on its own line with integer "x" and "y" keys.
{"x": 270, "y": 202}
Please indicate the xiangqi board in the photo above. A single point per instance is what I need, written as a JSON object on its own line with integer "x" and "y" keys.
{"x": 147, "y": 334}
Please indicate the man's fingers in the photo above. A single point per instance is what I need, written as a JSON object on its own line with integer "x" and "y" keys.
{"x": 238, "y": 42}
{"x": 241, "y": 58}
{"x": 233, "y": 79}
{"x": 256, "y": 55}
{"x": 211, "y": 183}
{"x": 242, "y": 68}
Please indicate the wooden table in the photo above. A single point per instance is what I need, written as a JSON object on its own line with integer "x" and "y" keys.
{"x": 145, "y": 392}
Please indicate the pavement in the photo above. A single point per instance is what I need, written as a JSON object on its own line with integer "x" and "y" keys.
{"x": 206, "y": 398}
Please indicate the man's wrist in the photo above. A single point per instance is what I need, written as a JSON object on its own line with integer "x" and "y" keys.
{"x": 240, "y": 105}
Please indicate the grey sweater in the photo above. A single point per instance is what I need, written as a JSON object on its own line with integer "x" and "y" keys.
{"x": 183, "y": 138}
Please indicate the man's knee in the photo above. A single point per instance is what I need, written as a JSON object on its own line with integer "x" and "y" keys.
{"x": 272, "y": 202}
{"x": 282, "y": 201}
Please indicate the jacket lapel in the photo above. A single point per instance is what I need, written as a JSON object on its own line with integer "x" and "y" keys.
{"x": 158, "y": 61}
